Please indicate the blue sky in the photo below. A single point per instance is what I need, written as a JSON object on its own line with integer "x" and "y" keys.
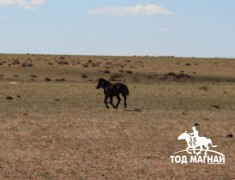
{"x": 194, "y": 28}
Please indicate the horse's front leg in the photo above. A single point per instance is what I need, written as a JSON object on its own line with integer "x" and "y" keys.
{"x": 111, "y": 101}
{"x": 187, "y": 149}
{"x": 105, "y": 102}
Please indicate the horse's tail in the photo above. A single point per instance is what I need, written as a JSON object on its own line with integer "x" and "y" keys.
{"x": 125, "y": 90}
{"x": 212, "y": 144}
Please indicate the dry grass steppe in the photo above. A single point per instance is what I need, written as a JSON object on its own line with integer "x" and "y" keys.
{"x": 54, "y": 124}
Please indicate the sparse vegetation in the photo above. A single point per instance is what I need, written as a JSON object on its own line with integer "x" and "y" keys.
{"x": 63, "y": 63}
{"x": 84, "y": 76}
{"x": 27, "y": 64}
{"x": 61, "y": 79}
{"x": 15, "y": 61}
{"x": 129, "y": 71}
{"x": 204, "y": 88}
{"x": 47, "y": 79}
{"x": 33, "y": 76}
{"x": 62, "y": 57}
{"x": 85, "y": 65}
{"x": 61, "y": 129}
{"x": 115, "y": 77}
{"x": 106, "y": 71}
{"x": 9, "y": 98}
{"x": 187, "y": 64}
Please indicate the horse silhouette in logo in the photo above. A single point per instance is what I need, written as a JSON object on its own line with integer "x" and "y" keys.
{"x": 193, "y": 141}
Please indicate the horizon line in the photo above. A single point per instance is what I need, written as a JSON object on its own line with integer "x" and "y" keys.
{"x": 109, "y": 55}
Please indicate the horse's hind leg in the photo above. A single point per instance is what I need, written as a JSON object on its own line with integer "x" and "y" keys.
{"x": 124, "y": 96}
{"x": 201, "y": 148}
{"x": 207, "y": 148}
{"x": 119, "y": 99}
{"x": 105, "y": 102}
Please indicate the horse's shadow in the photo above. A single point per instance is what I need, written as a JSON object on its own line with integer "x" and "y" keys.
{"x": 133, "y": 110}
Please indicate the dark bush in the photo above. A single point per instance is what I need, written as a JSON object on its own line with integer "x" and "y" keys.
{"x": 84, "y": 76}
{"x": 62, "y": 79}
{"x": 62, "y": 57}
{"x": 25, "y": 64}
{"x": 63, "y": 63}
{"x": 9, "y": 98}
{"x": 33, "y": 76}
{"x": 106, "y": 71}
{"x": 129, "y": 72}
{"x": 47, "y": 79}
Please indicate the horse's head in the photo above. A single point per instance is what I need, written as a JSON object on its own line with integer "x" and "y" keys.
{"x": 100, "y": 84}
{"x": 183, "y": 136}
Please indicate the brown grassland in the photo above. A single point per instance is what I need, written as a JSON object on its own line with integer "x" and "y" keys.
{"x": 54, "y": 124}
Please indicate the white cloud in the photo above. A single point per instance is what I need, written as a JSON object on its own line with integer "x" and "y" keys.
{"x": 150, "y": 9}
{"x": 26, "y": 4}
{"x": 38, "y": 2}
{"x": 21, "y": 3}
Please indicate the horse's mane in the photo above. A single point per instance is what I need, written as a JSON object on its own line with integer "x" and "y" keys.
{"x": 106, "y": 82}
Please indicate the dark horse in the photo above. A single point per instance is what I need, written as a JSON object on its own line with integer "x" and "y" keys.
{"x": 111, "y": 90}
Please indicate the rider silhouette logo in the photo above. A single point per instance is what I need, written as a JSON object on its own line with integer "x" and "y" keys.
{"x": 193, "y": 141}
{"x": 194, "y": 136}
{"x": 195, "y": 146}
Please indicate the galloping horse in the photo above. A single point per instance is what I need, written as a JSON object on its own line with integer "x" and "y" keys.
{"x": 111, "y": 90}
{"x": 200, "y": 142}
